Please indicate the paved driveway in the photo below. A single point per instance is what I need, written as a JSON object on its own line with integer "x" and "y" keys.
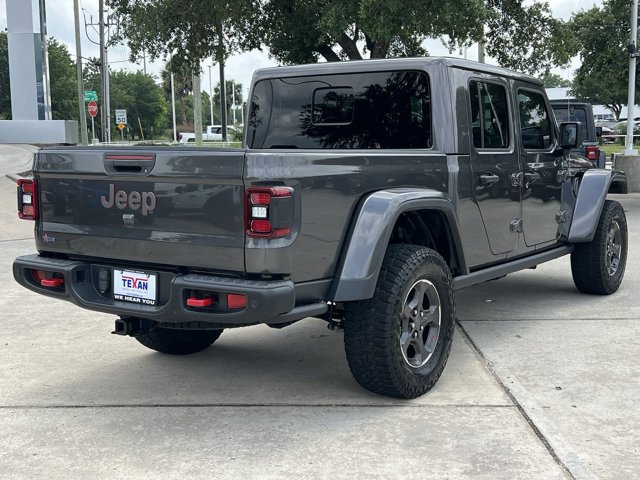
{"x": 541, "y": 384}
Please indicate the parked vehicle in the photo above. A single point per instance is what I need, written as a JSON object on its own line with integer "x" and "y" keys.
{"x": 605, "y": 134}
{"x": 581, "y": 111}
{"x": 213, "y": 133}
{"x": 367, "y": 194}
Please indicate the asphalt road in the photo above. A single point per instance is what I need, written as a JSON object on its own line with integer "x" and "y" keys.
{"x": 542, "y": 383}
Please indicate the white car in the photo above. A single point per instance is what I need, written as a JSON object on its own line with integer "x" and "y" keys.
{"x": 213, "y": 133}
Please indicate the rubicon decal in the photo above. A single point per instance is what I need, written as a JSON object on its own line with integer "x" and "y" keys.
{"x": 144, "y": 201}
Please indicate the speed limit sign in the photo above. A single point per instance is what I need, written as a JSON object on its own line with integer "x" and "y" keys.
{"x": 121, "y": 116}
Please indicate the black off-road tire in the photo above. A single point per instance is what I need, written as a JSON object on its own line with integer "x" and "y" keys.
{"x": 592, "y": 263}
{"x": 178, "y": 342}
{"x": 372, "y": 328}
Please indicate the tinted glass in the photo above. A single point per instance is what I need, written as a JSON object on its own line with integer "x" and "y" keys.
{"x": 572, "y": 114}
{"x": 535, "y": 123}
{"x": 489, "y": 115}
{"x": 368, "y": 110}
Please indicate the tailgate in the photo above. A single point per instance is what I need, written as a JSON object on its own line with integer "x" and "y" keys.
{"x": 169, "y": 206}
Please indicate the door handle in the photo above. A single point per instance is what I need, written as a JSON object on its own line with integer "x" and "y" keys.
{"x": 488, "y": 179}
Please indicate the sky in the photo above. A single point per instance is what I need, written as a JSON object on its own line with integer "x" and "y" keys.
{"x": 60, "y": 25}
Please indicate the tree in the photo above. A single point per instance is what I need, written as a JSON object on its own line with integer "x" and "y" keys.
{"x": 523, "y": 37}
{"x": 187, "y": 30}
{"x": 230, "y": 88}
{"x": 553, "y": 80}
{"x": 182, "y": 87}
{"x": 603, "y": 33}
{"x": 139, "y": 95}
{"x": 63, "y": 81}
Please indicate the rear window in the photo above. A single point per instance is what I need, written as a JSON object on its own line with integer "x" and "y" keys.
{"x": 368, "y": 110}
{"x": 570, "y": 113}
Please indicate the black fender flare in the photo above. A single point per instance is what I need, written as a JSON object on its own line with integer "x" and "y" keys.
{"x": 592, "y": 193}
{"x": 367, "y": 243}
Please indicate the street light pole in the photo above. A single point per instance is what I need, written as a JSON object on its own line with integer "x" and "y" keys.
{"x": 210, "y": 94}
{"x": 173, "y": 109}
{"x": 631, "y": 99}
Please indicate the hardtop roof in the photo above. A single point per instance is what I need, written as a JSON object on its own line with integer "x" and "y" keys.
{"x": 412, "y": 63}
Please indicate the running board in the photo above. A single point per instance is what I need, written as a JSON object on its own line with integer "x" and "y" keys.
{"x": 491, "y": 273}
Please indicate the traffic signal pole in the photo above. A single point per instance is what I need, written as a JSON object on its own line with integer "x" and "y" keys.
{"x": 81, "y": 110}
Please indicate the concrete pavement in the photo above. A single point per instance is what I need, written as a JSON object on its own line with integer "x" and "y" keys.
{"x": 541, "y": 384}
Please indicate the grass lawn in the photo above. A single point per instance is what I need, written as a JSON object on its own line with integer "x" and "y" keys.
{"x": 612, "y": 148}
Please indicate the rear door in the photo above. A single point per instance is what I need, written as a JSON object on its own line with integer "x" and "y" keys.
{"x": 182, "y": 207}
{"x": 494, "y": 161}
{"x": 541, "y": 187}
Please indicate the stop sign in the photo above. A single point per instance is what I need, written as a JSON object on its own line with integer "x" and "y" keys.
{"x": 92, "y": 108}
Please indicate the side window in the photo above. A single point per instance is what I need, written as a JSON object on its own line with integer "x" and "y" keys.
{"x": 535, "y": 123}
{"x": 489, "y": 115}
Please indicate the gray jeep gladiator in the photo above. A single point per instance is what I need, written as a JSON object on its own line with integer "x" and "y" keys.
{"x": 366, "y": 194}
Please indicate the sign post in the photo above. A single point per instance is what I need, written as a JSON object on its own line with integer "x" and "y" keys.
{"x": 121, "y": 121}
{"x": 92, "y": 108}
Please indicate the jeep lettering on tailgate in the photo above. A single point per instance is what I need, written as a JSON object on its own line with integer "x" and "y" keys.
{"x": 134, "y": 200}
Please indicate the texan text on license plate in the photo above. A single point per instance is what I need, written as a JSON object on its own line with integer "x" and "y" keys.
{"x": 135, "y": 287}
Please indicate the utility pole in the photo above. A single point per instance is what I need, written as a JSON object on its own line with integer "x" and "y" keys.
{"x": 104, "y": 77}
{"x": 223, "y": 94}
{"x": 223, "y": 102}
{"x": 631, "y": 98}
{"x": 173, "y": 108}
{"x": 81, "y": 110}
{"x": 233, "y": 101}
{"x": 197, "y": 108}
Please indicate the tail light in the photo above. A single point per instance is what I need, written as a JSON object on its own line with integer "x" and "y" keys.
{"x": 592, "y": 152}
{"x": 27, "y": 199}
{"x": 269, "y": 211}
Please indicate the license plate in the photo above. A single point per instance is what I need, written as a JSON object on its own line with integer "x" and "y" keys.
{"x": 135, "y": 287}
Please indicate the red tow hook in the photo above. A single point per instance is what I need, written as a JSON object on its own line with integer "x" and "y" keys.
{"x": 199, "y": 302}
{"x": 52, "y": 282}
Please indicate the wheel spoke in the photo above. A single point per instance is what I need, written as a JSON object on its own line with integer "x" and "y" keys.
{"x": 422, "y": 353}
{"x": 430, "y": 316}
{"x": 616, "y": 250}
{"x": 421, "y": 310}
{"x": 405, "y": 342}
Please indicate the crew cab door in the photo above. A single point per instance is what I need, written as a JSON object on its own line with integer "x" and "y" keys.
{"x": 494, "y": 161}
{"x": 541, "y": 188}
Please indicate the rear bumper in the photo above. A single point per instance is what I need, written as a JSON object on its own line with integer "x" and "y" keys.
{"x": 270, "y": 302}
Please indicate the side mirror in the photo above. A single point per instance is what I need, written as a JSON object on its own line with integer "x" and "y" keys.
{"x": 569, "y": 135}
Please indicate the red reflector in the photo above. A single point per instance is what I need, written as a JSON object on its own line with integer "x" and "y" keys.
{"x": 260, "y": 198}
{"x": 52, "y": 282}
{"x": 236, "y": 300}
{"x": 261, "y": 226}
{"x": 199, "y": 302}
{"x": 592, "y": 153}
{"x": 28, "y": 211}
{"x": 38, "y": 275}
{"x": 280, "y": 232}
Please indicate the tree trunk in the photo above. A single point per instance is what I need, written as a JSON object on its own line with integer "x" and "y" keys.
{"x": 349, "y": 47}
{"x": 328, "y": 54}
